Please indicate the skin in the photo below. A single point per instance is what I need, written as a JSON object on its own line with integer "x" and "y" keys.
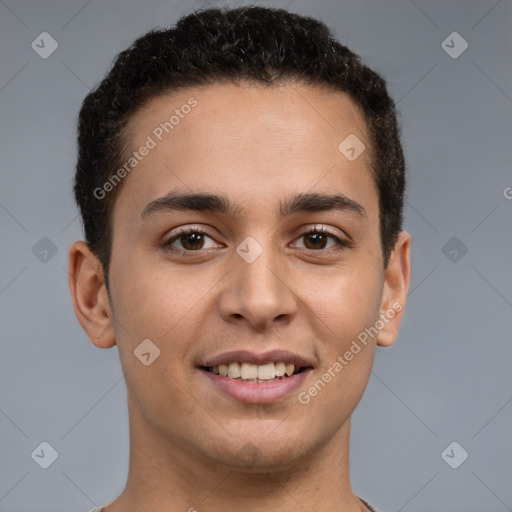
{"x": 192, "y": 447}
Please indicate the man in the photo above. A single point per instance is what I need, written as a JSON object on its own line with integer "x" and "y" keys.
{"x": 240, "y": 179}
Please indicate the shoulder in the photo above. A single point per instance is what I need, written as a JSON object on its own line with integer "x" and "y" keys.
{"x": 369, "y": 506}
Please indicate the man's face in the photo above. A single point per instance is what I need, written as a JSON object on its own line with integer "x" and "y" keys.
{"x": 249, "y": 285}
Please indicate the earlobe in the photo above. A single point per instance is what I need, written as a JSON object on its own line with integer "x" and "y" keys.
{"x": 89, "y": 295}
{"x": 394, "y": 293}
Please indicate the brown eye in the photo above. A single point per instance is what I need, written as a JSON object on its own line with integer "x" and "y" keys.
{"x": 318, "y": 239}
{"x": 315, "y": 240}
{"x": 192, "y": 241}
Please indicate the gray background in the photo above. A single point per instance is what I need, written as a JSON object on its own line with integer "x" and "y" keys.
{"x": 447, "y": 378}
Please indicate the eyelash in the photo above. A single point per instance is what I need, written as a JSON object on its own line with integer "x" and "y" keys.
{"x": 342, "y": 243}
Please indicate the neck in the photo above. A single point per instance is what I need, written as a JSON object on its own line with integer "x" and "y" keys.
{"x": 165, "y": 477}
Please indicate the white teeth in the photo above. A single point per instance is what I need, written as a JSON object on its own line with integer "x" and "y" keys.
{"x": 280, "y": 369}
{"x": 248, "y": 371}
{"x": 266, "y": 371}
{"x": 234, "y": 370}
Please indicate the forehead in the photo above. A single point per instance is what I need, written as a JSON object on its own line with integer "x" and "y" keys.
{"x": 248, "y": 140}
{"x": 290, "y": 109}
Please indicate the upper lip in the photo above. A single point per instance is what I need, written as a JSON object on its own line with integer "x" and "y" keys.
{"x": 245, "y": 356}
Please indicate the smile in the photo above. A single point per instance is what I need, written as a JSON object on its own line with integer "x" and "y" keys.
{"x": 256, "y": 378}
{"x": 248, "y": 372}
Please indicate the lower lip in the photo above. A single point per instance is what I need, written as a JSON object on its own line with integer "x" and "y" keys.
{"x": 257, "y": 392}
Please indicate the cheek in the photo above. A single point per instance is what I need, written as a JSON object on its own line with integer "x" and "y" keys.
{"x": 347, "y": 307}
{"x": 158, "y": 303}
{"x": 345, "y": 300}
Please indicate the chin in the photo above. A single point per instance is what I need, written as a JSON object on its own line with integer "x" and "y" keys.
{"x": 261, "y": 454}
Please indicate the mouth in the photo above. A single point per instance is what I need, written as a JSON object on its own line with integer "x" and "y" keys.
{"x": 247, "y": 372}
{"x": 256, "y": 378}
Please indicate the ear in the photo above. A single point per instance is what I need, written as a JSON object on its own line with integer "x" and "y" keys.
{"x": 89, "y": 294}
{"x": 394, "y": 293}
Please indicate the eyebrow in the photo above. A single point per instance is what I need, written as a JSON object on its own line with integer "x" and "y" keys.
{"x": 197, "y": 202}
{"x": 308, "y": 202}
{"x": 299, "y": 203}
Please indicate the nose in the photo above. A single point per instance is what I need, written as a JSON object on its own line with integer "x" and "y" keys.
{"x": 260, "y": 293}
